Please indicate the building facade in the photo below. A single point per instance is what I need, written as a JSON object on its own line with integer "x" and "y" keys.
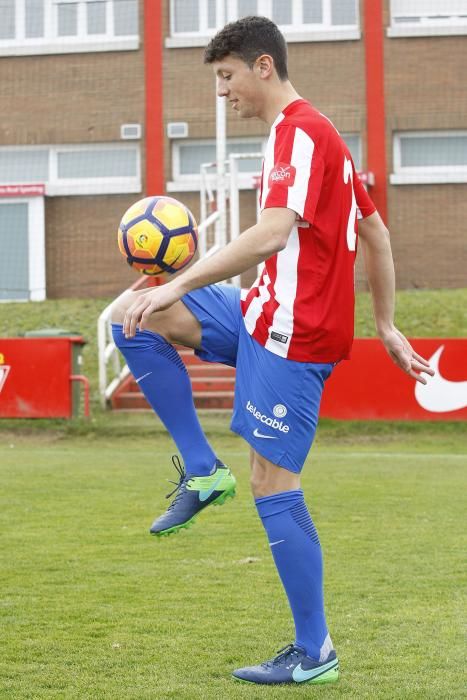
{"x": 106, "y": 101}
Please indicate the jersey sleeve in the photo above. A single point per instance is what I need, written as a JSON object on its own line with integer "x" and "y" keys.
{"x": 296, "y": 177}
{"x": 365, "y": 206}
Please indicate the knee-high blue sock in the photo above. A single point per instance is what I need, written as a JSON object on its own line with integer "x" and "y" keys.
{"x": 297, "y": 554}
{"x": 162, "y": 377}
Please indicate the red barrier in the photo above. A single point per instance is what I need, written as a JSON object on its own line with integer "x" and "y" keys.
{"x": 36, "y": 376}
{"x": 371, "y": 387}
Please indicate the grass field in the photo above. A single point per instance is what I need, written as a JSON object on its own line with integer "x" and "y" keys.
{"x": 93, "y": 607}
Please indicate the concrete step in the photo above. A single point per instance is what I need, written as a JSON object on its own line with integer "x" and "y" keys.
{"x": 131, "y": 400}
{"x": 213, "y": 386}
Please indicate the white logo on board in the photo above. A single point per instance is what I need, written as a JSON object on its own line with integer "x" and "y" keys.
{"x": 440, "y": 395}
{"x": 4, "y": 371}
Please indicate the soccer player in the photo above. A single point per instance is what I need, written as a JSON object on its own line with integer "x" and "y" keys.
{"x": 284, "y": 336}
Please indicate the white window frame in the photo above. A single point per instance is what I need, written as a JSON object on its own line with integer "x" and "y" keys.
{"x": 425, "y": 175}
{"x": 295, "y": 32}
{"x": 438, "y": 22}
{"x": 36, "y": 245}
{"x": 54, "y": 186}
{"x": 191, "y": 182}
{"x": 51, "y": 43}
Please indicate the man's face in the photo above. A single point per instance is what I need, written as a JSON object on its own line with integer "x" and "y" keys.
{"x": 239, "y": 84}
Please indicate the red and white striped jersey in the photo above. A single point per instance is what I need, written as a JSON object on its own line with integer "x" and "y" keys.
{"x": 302, "y": 305}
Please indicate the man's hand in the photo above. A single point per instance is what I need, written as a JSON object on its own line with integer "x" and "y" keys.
{"x": 405, "y": 357}
{"x": 156, "y": 299}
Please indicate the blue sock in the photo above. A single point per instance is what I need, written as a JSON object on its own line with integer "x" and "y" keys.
{"x": 162, "y": 377}
{"x": 297, "y": 554}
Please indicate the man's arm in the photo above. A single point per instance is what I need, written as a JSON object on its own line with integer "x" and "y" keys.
{"x": 255, "y": 245}
{"x": 376, "y": 247}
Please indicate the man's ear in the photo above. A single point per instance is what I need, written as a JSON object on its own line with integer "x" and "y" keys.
{"x": 264, "y": 65}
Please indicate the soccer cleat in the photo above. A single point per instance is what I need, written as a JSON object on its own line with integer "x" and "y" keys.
{"x": 291, "y": 665}
{"x": 194, "y": 493}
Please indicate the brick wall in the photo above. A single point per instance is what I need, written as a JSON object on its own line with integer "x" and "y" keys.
{"x": 76, "y": 98}
{"x": 425, "y": 91}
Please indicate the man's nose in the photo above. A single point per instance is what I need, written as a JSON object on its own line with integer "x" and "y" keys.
{"x": 222, "y": 89}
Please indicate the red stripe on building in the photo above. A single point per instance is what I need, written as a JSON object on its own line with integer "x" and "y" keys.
{"x": 375, "y": 108}
{"x": 153, "y": 28}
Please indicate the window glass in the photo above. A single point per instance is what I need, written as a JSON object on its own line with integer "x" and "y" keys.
{"x": 95, "y": 17}
{"x": 281, "y": 12}
{"x": 193, "y": 155}
{"x": 353, "y": 144}
{"x": 24, "y": 166}
{"x": 212, "y": 14}
{"x": 250, "y": 165}
{"x": 434, "y": 8}
{"x": 186, "y": 15}
{"x": 343, "y": 12}
{"x": 312, "y": 11}
{"x": 125, "y": 17}
{"x": 67, "y": 19}
{"x": 14, "y": 261}
{"x": 34, "y": 19}
{"x": 7, "y": 23}
{"x": 95, "y": 163}
{"x": 432, "y": 151}
{"x": 247, "y": 7}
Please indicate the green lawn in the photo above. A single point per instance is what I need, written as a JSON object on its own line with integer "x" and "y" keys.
{"x": 93, "y": 607}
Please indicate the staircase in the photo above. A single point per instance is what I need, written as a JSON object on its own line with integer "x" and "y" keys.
{"x": 213, "y": 386}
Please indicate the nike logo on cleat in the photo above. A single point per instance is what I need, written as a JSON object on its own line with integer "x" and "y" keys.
{"x": 300, "y": 675}
{"x": 204, "y": 495}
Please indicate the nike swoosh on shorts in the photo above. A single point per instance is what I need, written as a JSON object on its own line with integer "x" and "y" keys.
{"x": 256, "y": 433}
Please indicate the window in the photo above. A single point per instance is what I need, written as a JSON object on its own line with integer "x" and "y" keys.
{"x": 66, "y": 26}
{"x": 73, "y": 170}
{"x": 192, "y": 22}
{"x": 354, "y": 144}
{"x": 422, "y": 18}
{"x": 430, "y": 157}
{"x": 22, "y": 239}
{"x": 188, "y": 156}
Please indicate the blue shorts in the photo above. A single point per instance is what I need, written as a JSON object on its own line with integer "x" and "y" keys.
{"x": 276, "y": 403}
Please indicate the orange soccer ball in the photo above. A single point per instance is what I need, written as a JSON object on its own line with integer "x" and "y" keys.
{"x": 158, "y": 234}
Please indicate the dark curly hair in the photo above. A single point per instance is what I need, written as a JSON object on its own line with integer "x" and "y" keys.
{"x": 247, "y": 39}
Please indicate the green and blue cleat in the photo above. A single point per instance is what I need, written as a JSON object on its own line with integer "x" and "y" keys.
{"x": 291, "y": 666}
{"x": 193, "y": 494}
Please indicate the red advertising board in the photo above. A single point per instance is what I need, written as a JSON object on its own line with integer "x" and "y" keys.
{"x": 370, "y": 386}
{"x": 35, "y": 377}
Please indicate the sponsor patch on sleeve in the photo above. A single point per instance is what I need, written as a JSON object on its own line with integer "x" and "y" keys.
{"x": 282, "y": 174}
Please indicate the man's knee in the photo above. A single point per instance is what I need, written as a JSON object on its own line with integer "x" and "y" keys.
{"x": 268, "y": 478}
{"x": 160, "y": 322}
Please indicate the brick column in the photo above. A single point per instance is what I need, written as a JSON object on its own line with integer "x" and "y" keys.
{"x": 154, "y": 128}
